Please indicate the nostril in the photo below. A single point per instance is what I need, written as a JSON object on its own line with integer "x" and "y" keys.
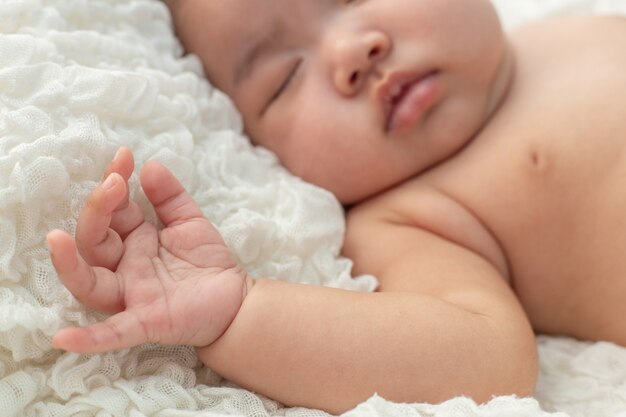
{"x": 374, "y": 52}
{"x": 354, "y": 78}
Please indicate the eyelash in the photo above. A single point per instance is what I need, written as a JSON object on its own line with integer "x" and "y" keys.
{"x": 287, "y": 81}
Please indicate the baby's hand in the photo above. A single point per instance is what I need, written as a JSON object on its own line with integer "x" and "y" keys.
{"x": 178, "y": 285}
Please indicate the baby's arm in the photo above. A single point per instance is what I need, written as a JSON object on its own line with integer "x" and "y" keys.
{"x": 446, "y": 324}
{"x": 459, "y": 331}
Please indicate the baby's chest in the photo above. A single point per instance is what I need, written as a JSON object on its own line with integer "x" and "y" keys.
{"x": 551, "y": 187}
{"x": 547, "y": 178}
{"x": 556, "y": 152}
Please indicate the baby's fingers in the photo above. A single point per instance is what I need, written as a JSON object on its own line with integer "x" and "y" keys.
{"x": 98, "y": 288}
{"x": 171, "y": 201}
{"x": 127, "y": 216}
{"x": 121, "y": 331}
{"x": 123, "y": 163}
{"x": 97, "y": 242}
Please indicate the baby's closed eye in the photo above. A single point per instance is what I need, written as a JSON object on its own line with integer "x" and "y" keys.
{"x": 285, "y": 81}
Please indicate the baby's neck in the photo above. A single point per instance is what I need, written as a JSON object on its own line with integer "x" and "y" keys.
{"x": 502, "y": 83}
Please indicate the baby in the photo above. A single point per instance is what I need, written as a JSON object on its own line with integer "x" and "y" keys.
{"x": 486, "y": 180}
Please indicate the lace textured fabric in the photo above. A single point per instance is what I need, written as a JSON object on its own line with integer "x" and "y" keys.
{"x": 77, "y": 80}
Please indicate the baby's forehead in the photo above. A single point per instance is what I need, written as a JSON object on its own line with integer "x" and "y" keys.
{"x": 217, "y": 30}
{"x": 224, "y": 20}
{"x": 240, "y": 16}
{"x": 227, "y": 23}
{"x": 223, "y": 32}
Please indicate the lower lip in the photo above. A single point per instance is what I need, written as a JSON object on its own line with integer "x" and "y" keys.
{"x": 419, "y": 98}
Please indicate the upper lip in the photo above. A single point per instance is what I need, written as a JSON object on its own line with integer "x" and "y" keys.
{"x": 394, "y": 87}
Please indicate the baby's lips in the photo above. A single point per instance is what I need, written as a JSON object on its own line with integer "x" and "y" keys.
{"x": 415, "y": 102}
{"x": 395, "y": 90}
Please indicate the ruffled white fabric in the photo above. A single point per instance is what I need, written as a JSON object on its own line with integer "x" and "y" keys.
{"x": 78, "y": 79}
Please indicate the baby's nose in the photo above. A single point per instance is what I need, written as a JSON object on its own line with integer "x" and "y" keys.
{"x": 355, "y": 58}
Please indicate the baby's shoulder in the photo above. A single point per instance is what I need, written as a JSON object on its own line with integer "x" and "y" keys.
{"x": 567, "y": 23}
{"x": 578, "y": 61}
{"x": 419, "y": 204}
{"x": 574, "y": 64}
{"x": 575, "y": 32}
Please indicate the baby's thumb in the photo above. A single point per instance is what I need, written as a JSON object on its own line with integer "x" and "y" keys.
{"x": 171, "y": 201}
{"x": 120, "y": 331}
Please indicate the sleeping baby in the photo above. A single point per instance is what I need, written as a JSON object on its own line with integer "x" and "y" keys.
{"x": 484, "y": 178}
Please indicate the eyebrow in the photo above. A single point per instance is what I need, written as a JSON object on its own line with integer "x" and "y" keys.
{"x": 256, "y": 49}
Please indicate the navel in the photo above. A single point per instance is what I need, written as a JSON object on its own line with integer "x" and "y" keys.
{"x": 538, "y": 160}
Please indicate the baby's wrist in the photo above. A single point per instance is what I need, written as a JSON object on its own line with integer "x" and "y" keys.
{"x": 248, "y": 283}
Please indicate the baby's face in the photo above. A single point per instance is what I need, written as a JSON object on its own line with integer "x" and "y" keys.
{"x": 354, "y": 96}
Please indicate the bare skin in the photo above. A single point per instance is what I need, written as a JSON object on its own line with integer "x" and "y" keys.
{"x": 510, "y": 221}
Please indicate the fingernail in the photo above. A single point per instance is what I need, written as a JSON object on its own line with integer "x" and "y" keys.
{"x": 108, "y": 183}
{"x": 117, "y": 154}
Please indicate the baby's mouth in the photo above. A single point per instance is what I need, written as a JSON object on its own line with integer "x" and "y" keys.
{"x": 407, "y": 97}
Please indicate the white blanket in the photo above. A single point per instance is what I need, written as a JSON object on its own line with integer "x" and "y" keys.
{"x": 78, "y": 78}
